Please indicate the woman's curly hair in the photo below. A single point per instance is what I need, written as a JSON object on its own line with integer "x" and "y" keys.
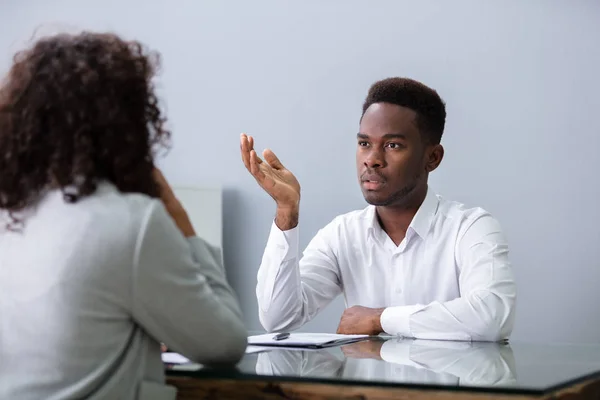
{"x": 76, "y": 110}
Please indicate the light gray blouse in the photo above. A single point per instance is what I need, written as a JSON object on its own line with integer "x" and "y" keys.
{"x": 89, "y": 289}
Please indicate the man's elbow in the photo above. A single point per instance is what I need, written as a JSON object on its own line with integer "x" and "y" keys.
{"x": 274, "y": 324}
{"x": 497, "y": 323}
{"x": 270, "y": 324}
{"x": 493, "y": 332}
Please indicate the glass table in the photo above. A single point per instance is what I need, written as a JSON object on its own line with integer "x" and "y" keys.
{"x": 381, "y": 368}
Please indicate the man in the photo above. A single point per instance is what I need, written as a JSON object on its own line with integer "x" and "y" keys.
{"x": 411, "y": 263}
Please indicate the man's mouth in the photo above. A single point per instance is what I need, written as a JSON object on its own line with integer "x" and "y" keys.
{"x": 372, "y": 181}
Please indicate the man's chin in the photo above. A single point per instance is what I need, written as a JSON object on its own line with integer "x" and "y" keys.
{"x": 376, "y": 199}
{"x": 383, "y": 198}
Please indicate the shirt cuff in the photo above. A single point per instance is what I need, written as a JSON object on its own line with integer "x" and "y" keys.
{"x": 284, "y": 242}
{"x": 396, "y": 320}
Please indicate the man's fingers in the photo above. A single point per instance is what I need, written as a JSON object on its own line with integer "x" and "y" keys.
{"x": 272, "y": 159}
{"x": 254, "y": 166}
{"x": 245, "y": 150}
{"x": 251, "y": 141}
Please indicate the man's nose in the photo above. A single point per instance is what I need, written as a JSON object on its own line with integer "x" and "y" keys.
{"x": 374, "y": 159}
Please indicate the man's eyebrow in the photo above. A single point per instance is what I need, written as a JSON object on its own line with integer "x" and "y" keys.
{"x": 394, "y": 136}
{"x": 386, "y": 136}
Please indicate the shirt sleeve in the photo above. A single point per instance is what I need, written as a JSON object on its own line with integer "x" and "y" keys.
{"x": 181, "y": 295}
{"x": 486, "y": 306}
{"x": 292, "y": 290}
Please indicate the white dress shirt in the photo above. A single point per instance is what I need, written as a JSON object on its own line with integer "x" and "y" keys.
{"x": 89, "y": 290}
{"x": 450, "y": 278}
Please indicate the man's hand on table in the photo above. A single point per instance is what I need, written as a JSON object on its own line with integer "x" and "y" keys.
{"x": 359, "y": 320}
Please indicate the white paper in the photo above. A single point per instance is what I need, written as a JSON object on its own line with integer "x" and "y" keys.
{"x": 185, "y": 367}
{"x": 174, "y": 358}
{"x": 252, "y": 349}
{"x": 302, "y": 339}
{"x": 257, "y": 349}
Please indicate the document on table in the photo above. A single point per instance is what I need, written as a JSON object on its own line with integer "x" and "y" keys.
{"x": 177, "y": 362}
{"x": 305, "y": 340}
{"x": 258, "y": 349}
{"x": 174, "y": 358}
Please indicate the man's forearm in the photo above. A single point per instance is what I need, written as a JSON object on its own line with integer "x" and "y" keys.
{"x": 287, "y": 217}
{"x": 359, "y": 320}
{"x": 376, "y": 319}
{"x": 278, "y": 275}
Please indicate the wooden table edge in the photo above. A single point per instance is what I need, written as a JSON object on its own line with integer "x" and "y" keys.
{"x": 265, "y": 388}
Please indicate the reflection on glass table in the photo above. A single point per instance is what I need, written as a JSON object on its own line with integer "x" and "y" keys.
{"x": 390, "y": 363}
{"x": 398, "y": 361}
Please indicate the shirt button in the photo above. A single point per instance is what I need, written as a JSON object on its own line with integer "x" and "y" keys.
{"x": 398, "y": 290}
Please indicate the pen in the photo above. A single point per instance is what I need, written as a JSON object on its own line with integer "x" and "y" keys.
{"x": 281, "y": 336}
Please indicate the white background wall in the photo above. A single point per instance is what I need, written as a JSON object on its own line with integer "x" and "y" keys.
{"x": 522, "y": 89}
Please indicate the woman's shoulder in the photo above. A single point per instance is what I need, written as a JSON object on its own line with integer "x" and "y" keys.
{"x": 116, "y": 205}
{"x": 107, "y": 209}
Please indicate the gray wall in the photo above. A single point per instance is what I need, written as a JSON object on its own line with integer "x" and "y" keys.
{"x": 521, "y": 85}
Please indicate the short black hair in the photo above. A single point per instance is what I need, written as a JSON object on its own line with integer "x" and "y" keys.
{"x": 405, "y": 92}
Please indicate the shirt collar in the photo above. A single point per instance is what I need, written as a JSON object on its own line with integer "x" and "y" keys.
{"x": 420, "y": 223}
{"x": 423, "y": 218}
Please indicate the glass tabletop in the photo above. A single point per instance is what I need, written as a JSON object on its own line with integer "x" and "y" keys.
{"x": 516, "y": 367}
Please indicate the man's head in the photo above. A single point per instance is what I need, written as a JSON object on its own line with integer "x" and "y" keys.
{"x": 76, "y": 110}
{"x": 399, "y": 140}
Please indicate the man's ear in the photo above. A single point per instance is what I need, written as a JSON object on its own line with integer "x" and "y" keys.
{"x": 435, "y": 154}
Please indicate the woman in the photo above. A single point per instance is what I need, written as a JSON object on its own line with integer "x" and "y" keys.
{"x": 95, "y": 270}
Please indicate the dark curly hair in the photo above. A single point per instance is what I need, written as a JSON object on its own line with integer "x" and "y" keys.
{"x": 430, "y": 108}
{"x": 76, "y": 110}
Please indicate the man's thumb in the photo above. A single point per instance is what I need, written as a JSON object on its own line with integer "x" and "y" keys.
{"x": 272, "y": 159}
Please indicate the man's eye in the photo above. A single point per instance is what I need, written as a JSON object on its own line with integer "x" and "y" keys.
{"x": 394, "y": 145}
{"x": 362, "y": 143}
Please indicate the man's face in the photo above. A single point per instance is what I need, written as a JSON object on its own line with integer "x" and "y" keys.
{"x": 391, "y": 154}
